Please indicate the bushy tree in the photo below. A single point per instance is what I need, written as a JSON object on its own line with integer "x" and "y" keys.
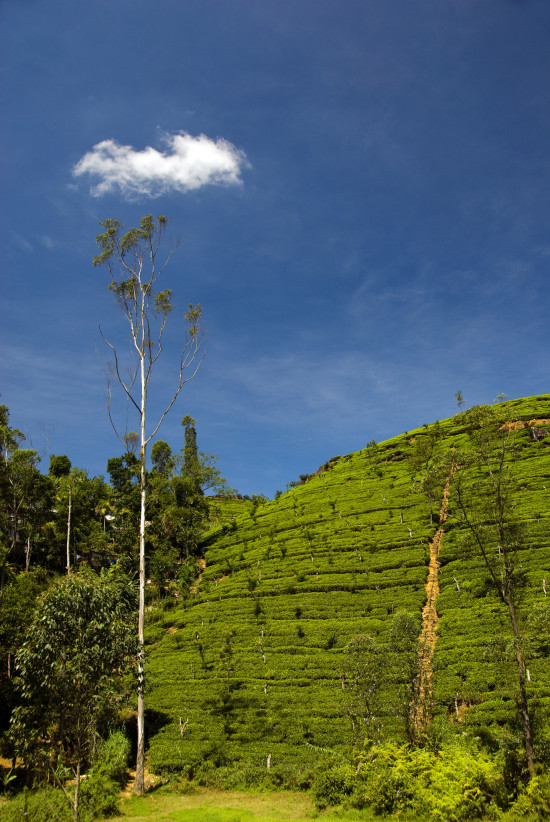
{"x": 17, "y": 613}
{"x": 60, "y": 466}
{"x": 125, "y": 502}
{"x": 78, "y": 647}
{"x": 26, "y": 500}
{"x": 403, "y": 648}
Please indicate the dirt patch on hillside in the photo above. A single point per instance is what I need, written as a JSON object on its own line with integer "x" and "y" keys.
{"x": 151, "y": 783}
{"x": 430, "y": 619}
{"x": 517, "y": 426}
{"x": 194, "y": 589}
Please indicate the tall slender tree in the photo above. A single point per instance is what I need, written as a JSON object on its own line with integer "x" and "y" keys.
{"x": 134, "y": 262}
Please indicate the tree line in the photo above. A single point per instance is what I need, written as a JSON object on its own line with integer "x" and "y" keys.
{"x": 55, "y": 523}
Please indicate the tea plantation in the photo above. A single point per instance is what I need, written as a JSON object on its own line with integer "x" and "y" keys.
{"x": 255, "y": 663}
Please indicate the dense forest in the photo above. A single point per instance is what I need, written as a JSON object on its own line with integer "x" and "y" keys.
{"x": 379, "y": 633}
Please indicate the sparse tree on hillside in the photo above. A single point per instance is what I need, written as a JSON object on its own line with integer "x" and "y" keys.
{"x": 484, "y": 490}
{"x": 132, "y": 260}
{"x": 404, "y": 660}
{"x": 428, "y": 468}
{"x": 362, "y": 680}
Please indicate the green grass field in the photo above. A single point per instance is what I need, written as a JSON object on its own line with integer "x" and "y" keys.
{"x": 214, "y": 806}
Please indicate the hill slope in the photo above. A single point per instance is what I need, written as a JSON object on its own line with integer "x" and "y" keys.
{"x": 258, "y": 662}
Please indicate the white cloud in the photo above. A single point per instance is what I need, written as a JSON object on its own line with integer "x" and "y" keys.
{"x": 188, "y": 163}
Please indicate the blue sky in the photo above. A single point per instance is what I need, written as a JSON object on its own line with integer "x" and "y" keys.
{"x": 377, "y": 238}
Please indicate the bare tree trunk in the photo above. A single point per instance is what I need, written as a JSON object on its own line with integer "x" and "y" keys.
{"x": 139, "y": 785}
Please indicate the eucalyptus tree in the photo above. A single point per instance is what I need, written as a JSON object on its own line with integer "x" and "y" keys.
{"x": 135, "y": 262}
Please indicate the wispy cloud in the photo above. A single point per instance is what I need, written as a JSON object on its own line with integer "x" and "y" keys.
{"x": 290, "y": 389}
{"x": 187, "y": 163}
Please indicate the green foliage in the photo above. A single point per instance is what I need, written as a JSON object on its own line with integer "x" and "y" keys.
{"x": 534, "y": 801}
{"x": 111, "y": 760}
{"x": 161, "y": 456}
{"x": 78, "y": 646}
{"x": 26, "y": 500}
{"x": 333, "y": 785}
{"x": 59, "y": 466}
{"x": 100, "y": 791}
{"x": 364, "y": 674}
{"x": 452, "y": 784}
{"x": 16, "y": 615}
{"x": 45, "y": 805}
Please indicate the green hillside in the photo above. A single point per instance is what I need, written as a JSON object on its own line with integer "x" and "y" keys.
{"x": 257, "y": 662}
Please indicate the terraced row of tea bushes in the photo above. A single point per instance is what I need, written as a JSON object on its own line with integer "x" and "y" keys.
{"x": 252, "y": 665}
{"x": 225, "y": 510}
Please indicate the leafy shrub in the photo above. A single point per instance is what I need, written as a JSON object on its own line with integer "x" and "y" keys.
{"x": 112, "y": 758}
{"x": 385, "y": 778}
{"x": 333, "y": 786}
{"x": 99, "y": 793}
{"x": 535, "y": 800}
{"x": 99, "y": 790}
{"x": 455, "y": 784}
{"x": 48, "y": 805}
{"x": 462, "y": 785}
{"x": 99, "y": 796}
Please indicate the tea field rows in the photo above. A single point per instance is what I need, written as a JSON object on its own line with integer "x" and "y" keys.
{"x": 252, "y": 664}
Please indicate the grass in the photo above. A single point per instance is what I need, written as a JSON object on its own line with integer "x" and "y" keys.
{"x": 226, "y": 806}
